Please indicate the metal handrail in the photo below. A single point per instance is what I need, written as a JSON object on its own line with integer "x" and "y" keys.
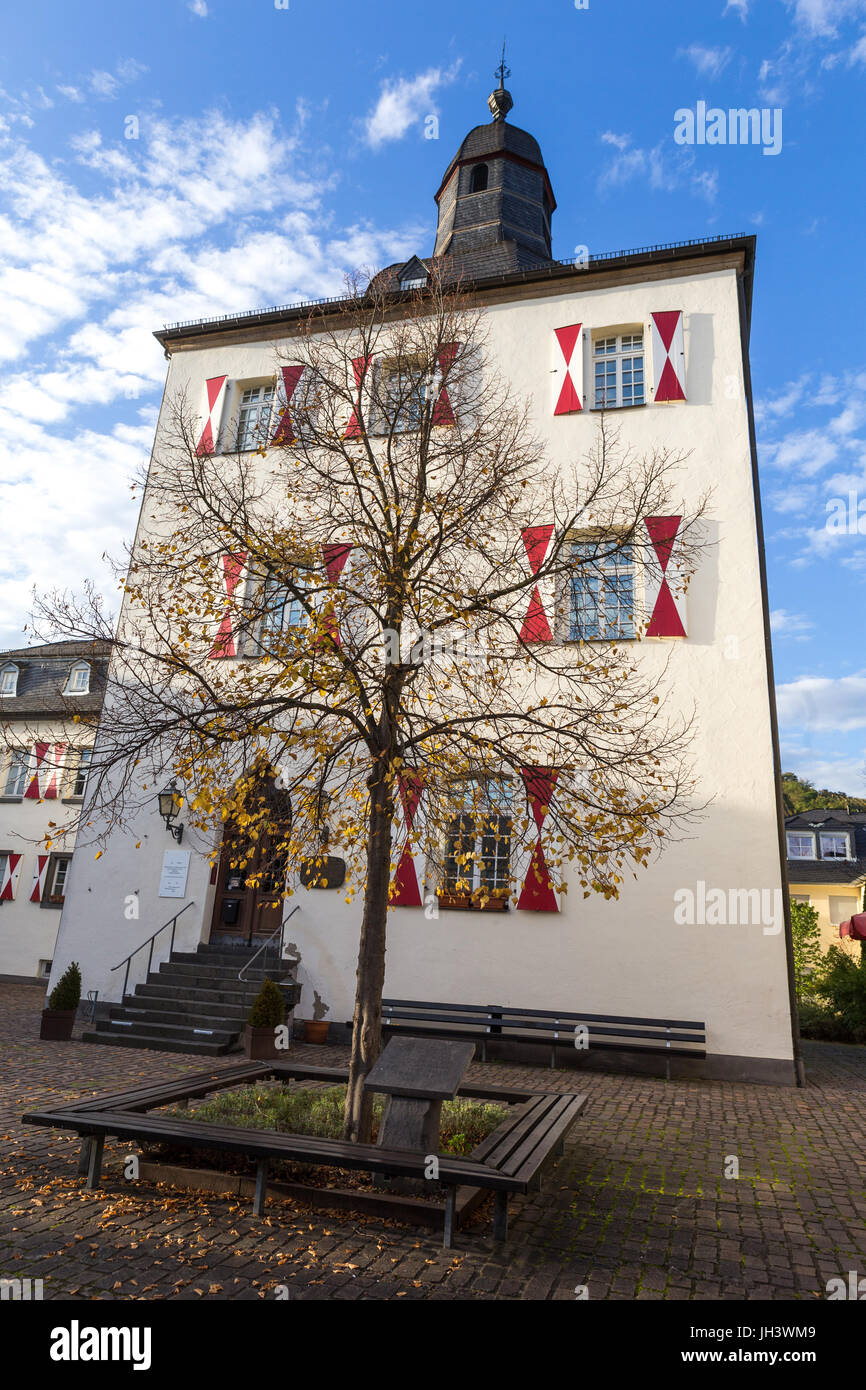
{"x": 172, "y": 922}
{"x": 265, "y": 944}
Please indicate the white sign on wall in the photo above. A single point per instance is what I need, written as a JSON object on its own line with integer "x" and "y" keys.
{"x": 175, "y": 867}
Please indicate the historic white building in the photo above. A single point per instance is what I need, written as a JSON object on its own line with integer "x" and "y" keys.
{"x": 660, "y": 335}
{"x": 44, "y": 762}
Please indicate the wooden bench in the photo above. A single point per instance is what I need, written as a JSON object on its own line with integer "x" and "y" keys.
{"x": 667, "y": 1037}
{"x": 509, "y": 1161}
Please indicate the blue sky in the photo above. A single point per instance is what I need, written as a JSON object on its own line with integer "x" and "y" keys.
{"x": 273, "y": 149}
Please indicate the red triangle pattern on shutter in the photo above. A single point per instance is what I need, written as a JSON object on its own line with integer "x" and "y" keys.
{"x": 405, "y": 891}
{"x": 665, "y": 621}
{"x": 224, "y": 643}
{"x": 334, "y": 557}
{"x": 537, "y": 893}
{"x": 10, "y": 878}
{"x": 213, "y": 388}
{"x": 52, "y": 786}
{"x": 33, "y": 787}
{"x": 668, "y": 326}
{"x": 39, "y": 878}
{"x": 285, "y": 432}
{"x": 360, "y": 366}
{"x": 569, "y": 400}
{"x": 536, "y": 627}
{"x": 443, "y": 413}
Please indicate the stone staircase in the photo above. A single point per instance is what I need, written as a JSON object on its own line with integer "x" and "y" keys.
{"x": 194, "y": 1002}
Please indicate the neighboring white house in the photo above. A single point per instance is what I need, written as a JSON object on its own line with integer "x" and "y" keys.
{"x": 661, "y": 336}
{"x": 44, "y": 760}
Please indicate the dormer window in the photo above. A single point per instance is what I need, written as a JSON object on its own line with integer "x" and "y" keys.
{"x": 478, "y": 182}
{"x": 78, "y": 682}
{"x": 413, "y": 276}
{"x": 835, "y": 845}
{"x": 801, "y": 845}
{"x": 9, "y": 680}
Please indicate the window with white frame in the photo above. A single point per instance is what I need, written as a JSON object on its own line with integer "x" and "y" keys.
{"x": 82, "y": 769}
{"x": 405, "y": 387}
{"x": 841, "y": 908}
{"x": 834, "y": 845}
{"x": 281, "y": 609}
{"x": 601, "y": 591}
{"x": 478, "y": 842}
{"x": 55, "y": 880}
{"x": 617, "y": 366}
{"x": 16, "y": 772}
{"x": 78, "y": 682}
{"x": 800, "y": 845}
{"x": 254, "y": 415}
{"x": 9, "y": 680}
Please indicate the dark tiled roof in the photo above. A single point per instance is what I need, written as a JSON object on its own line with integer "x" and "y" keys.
{"x": 42, "y": 676}
{"x": 829, "y": 870}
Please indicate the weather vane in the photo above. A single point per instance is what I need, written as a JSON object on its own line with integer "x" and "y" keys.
{"x": 502, "y": 71}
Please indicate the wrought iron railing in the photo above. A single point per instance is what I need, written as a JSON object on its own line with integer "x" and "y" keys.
{"x": 172, "y": 922}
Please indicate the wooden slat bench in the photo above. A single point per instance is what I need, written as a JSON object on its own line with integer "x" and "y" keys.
{"x": 510, "y": 1160}
{"x": 667, "y": 1037}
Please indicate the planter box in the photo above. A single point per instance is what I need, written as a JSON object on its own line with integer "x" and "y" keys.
{"x": 463, "y": 902}
{"x": 260, "y": 1045}
{"x": 56, "y": 1025}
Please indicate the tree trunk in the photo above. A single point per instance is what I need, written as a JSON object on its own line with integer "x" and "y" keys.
{"x": 370, "y": 976}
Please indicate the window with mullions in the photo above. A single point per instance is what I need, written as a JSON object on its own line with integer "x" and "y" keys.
{"x": 404, "y": 396}
{"x": 834, "y": 846}
{"x": 618, "y": 371}
{"x": 79, "y": 784}
{"x": 281, "y": 609}
{"x": 254, "y": 416}
{"x": 478, "y": 844}
{"x": 601, "y": 598}
{"x": 16, "y": 773}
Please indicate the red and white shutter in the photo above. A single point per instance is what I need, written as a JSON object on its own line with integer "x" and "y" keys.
{"x": 669, "y": 355}
{"x": 9, "y": 882}
{"x": 224, "y": 643}
{"x": 211, "y": 414}
{"x": 34, "y": 786}
{"x": 360, "y": 368}
{"x": 537, "y": 893}
{"x": 536, "y": 624}
{"x": 443, "y": 411}
{"x": 334, "y": 557}
{"x": 52, "y": 771}
{"x": 39, "y": 874}
{"x": 405, "y": 890}
{"x": 568, "y": 370}
{"x": 664, "y": 590}
{"x": 285, "y": 431}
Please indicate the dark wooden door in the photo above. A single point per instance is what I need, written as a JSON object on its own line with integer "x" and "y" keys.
{"x": 248, "y": 903}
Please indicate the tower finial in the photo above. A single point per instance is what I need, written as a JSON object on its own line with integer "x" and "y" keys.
{"x": 500, "y": 101}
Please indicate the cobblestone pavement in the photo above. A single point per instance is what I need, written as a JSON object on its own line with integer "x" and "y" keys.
{"x": 637, "y": 1208}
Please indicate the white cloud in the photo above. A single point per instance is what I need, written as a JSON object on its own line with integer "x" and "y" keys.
{"x": 818, "y": 703}
{"x": 198, "y": 7}
{"x": 403, "y": 102}
{"x": 709, "y": 62}
{"x": 824, "y": 16}
{"x": 785, "y": 624}
{"x": 740, "y": 7}
{"x": 665, "y": 167}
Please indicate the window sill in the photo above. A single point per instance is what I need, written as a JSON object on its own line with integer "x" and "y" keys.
{"x": 12, "y": 798}
{"x": 71, "y": 800}
{"x": 610, "y": 409}
{"x": 462, "y": 902}
{"x": 56, "y": 906}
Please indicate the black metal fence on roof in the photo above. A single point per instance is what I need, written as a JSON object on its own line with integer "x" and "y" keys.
{"x": 578, "y": 263}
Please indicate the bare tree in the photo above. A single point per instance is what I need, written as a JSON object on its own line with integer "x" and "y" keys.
{"x": 409, "y": 573}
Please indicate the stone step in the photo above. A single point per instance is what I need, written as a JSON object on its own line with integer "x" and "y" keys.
{"x": 154, "y": 1044}
{"x": 170, "y": 1003}
{"x": 185, "y": 1032}
{"x": 159, "y": 989}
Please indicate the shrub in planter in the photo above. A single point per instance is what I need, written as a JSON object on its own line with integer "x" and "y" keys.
{"x": 58, "y": 1018}
{"x": 266, "y": 1015}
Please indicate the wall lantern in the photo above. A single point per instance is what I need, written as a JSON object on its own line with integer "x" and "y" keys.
{"x": 170, "y": 801}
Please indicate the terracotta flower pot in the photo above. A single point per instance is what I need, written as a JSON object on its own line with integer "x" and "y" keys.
{"x": 56, "y": 1024}
{"x": 316, "y": 1030}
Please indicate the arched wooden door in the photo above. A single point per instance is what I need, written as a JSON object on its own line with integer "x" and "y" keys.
{"x": 248, "y": 904}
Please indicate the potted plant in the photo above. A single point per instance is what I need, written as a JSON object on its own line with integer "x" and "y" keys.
{"x": 316, "y": 1028}
{"x": 266, "y": 1015}
{"x": 63, "y": 1001}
